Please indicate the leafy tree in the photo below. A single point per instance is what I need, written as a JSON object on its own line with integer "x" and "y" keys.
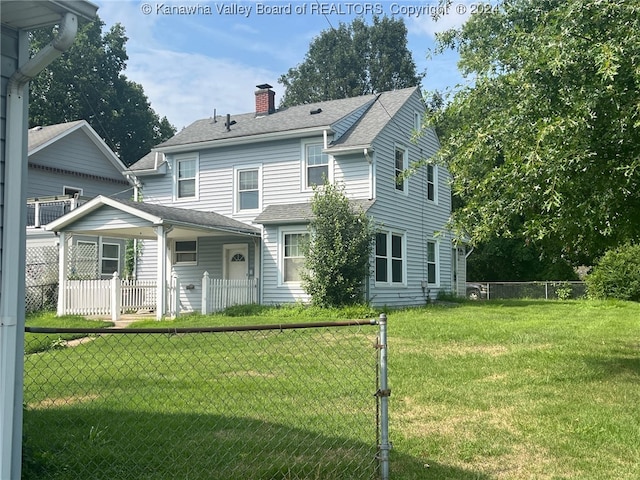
{"x": 512, "y": 260}
{"x": 87, "y": 83}
{"x": 352, "y": 60}
{"x": 544, "y": 140}
{"x": 338, "y": 252}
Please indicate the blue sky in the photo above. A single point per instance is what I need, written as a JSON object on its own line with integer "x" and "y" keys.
{"x": 194, "y": 56}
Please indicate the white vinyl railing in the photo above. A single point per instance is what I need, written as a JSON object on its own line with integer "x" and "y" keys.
{"x": 87, "y": 297}
{"x": 218, "y": 294}
{"x": 116, "y": 296}
{"x": 99, "y": 297}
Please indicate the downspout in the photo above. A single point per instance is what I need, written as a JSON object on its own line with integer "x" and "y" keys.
{"x": 13, "y": 244}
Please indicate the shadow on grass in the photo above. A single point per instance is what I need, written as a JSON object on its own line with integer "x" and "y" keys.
{"x": 79, "y": 442}
{"x": 623, "y": 363}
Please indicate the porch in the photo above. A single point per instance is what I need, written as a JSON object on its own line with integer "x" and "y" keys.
{"x": 181, "y": 240}
{"x": 116, "y": 297}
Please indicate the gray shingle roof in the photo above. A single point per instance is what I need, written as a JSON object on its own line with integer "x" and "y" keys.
{"x": 192, "y": 217}
{"x": 298, "y": 212}
{"x": 364, "y": 131}
{"x": 247, "y": 124}
{"x": 41, "y": 135}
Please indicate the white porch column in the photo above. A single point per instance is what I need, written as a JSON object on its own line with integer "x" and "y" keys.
{"x": 161, "y": 277}
{"x": 62, "y": 274}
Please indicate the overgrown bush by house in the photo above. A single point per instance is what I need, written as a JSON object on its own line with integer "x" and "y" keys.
{"x": 338, "y": 251}
{"x": 616, "y": 274}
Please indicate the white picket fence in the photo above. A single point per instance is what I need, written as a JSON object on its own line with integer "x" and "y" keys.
{"x": 218, "y": 294}
{"x": 96, "y": 297}
{"x": 116, "y": 296}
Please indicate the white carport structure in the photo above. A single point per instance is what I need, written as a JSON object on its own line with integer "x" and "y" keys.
{"x": 137, "y": 220}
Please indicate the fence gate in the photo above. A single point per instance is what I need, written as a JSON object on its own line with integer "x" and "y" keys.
{"x": 252, "y": 402}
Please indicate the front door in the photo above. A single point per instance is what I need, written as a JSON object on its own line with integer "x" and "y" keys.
{"x": 236, "y": 262}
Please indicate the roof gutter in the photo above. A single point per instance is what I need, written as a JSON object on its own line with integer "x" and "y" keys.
{"x": 13, "y": 243}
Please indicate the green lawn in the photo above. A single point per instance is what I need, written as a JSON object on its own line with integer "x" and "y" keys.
{"x": 484, "y": 390}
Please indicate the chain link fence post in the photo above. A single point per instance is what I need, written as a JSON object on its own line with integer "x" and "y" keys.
{"x": 383, "y": 394}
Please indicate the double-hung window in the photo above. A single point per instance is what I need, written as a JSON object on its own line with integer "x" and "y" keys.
{"x": 390, "y": 258}
{"x": 109, "y": 258}
{"x": 432, "y": 263}
{"x": 400, "y": 166}
{"x": 431, "y": 183}
{"x": 316, "y": 165}
{"x": 293, "y": 257}
{"x": 248, "y": 182}
{"x": 186, "y": 177}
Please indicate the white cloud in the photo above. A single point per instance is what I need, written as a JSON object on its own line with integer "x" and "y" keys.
{"x": 454, "y": 17}
{"x": 186, "y": 87}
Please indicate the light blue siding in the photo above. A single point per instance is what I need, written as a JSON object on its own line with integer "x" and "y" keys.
{"x": 419, "y": 219}
{"x": 74, "y": 161}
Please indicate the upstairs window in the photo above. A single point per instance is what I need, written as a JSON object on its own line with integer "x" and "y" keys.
{"x": 400, "y": 166}
{"x": 248, "y": 189}
{"x": 186, "y": 176}
{"x": 72, "y": 191}
{"x": 317, "y": 165}
{"x": 431, "y": 183}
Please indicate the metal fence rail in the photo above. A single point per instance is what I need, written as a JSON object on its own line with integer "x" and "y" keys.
{"x": 267, "y": 402}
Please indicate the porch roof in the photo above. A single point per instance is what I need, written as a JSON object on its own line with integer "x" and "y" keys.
{"x": 128, "y": 219}
{"x": 292, "y": 213}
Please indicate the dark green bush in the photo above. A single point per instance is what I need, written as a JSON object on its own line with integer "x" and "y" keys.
{"x": 616, "y": 274}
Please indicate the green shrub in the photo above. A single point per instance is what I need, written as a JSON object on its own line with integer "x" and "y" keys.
{"x": 616, "y": 275}
{"x": 338, "y": 252}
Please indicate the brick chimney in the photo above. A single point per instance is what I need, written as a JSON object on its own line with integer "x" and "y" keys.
{"x": 265, "y": 100}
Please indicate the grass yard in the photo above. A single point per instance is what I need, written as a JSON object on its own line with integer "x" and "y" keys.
{"x": 485, "y": 390}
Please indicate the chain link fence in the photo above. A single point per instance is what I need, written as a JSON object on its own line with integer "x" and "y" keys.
{"x": 41, "y": 272}
{"x": 268, "y": 402}
{"x": 41, "y": 278}
{"x": 558, "y": 290}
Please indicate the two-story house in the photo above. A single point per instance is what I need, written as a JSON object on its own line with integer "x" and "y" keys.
{"x": 230, "y": 196}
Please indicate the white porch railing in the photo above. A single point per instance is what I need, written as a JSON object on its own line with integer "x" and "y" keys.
{"x": 115, "y": 296}
{"x": 218, "y": 294}
{"x": 99, "y": 297}
{"x": 41, "y": 211}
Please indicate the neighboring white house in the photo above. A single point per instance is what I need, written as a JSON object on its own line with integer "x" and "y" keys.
{"x": 257, "y": 171}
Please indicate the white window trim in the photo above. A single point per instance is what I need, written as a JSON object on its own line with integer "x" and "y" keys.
{"x": 102, "y": 257}
{"x": 78, "y": 189}
{"x": 282, "y": 231}
{"x": 174, "y": 252}
{"x": 389, "y": 282}
{"x": 405, "y": 165}
{"x": 303, "y": 163}
{"x": 436, "y": 284}
{"x": 176, "y": 160}
{"x": 417, "y": 120}
{"x": 435, "y": 185}
{"x": 236, "y": 188}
